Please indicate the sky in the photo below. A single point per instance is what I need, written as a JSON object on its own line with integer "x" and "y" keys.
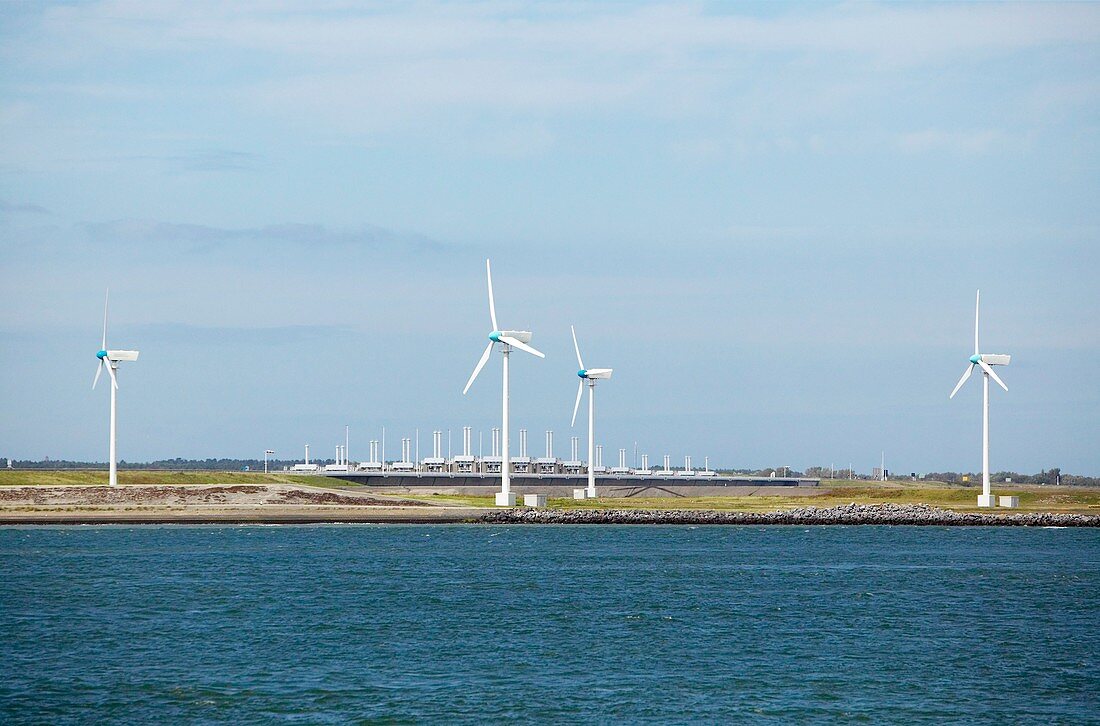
{"x": 770, "y": 219}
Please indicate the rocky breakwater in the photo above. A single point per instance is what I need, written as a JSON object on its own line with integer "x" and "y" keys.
{"x": 910, "y": 514}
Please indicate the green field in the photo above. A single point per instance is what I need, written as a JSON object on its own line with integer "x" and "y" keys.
{"x": 1039, "y": 499}
{"x": 33, "y": 477}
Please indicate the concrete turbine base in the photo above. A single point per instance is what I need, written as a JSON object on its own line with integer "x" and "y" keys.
{"x": 534, "y": 500}
{"x": 987, "y": 500}
{"x": 506, "y": 500}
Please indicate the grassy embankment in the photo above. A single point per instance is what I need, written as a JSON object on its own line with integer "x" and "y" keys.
{"x": 1032, "y": 499}
{"x": 42, "y": 477}
{"x": 831, "y": 493}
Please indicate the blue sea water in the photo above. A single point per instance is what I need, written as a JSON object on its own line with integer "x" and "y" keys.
{"x": 385, "y": 623}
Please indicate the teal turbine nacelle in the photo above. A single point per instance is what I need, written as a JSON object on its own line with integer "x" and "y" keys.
{"x": 592, "y": 374}
{"x": 117, "y": 356}
{"x": 990, "y": 359}
{"x": 498, "y": 336}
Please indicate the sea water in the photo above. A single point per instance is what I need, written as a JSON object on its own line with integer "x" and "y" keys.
{"x": 338, "y": 623}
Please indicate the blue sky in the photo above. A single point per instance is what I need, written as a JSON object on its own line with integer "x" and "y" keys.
{"x": 770, "y": 219}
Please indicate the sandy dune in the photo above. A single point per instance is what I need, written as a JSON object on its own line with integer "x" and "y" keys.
{"x": 232, "y": 503}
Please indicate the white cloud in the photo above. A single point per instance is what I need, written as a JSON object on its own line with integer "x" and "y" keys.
{"x": 396, "y": 61}
{"x": 510, "y": 79}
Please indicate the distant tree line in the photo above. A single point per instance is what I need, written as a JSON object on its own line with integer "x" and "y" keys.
{"x": 167, "y": 464}
{"x": 965, "y": 478}
{"x": 1047, "y": 476}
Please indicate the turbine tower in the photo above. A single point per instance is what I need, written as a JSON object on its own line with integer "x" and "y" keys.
{"x": 591, "y": 375}
{"x": 110, "y": 359}
{"x": 507, "y": 339}
{"x": 985, "y": 361}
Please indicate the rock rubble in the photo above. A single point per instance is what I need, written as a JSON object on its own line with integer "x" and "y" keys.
{"x": 911, "y": 514}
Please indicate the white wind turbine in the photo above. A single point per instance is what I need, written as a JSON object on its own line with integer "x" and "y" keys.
{"x": 985, "y": 361}
{"x": 508, "y": 339}
{"x": 110, "y": 359}
{"x": 591, "y": 375}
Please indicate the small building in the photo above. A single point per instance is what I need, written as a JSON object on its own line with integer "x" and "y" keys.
{"x": 435, "y": 464}
{"x": 464, "y": 464}
{"x": 572, "y": 467}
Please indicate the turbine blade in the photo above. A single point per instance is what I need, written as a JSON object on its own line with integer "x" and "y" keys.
{"x": 492, "y": 305}
{"x": 111, "y": 373}
{"x": 989, "y": 371}
{"x": 977, "y": 304}
{"x": 478, "y": 367}
{"x": 98, "y": 370}
{"x": 576, "y": 347}
{"x": 577, "y": 405}
{"x": 106, "y": 299}
{"x": 966, "y": 374}
{"x": 521, "y": 345}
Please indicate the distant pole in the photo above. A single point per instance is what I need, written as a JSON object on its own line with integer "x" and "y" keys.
{"x": 383, "y": 448}
{"x": 347, "y": 440}
{"x": 448, "y": 444}
{"x": 417, "y": 449}
{"x": 266, "y": 454}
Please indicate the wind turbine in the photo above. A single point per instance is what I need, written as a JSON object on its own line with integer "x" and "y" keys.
{"x": 985, "y": 361}
{"x": 109, "y": 359}
{"x": 591, "y": 375}
{"x": 507, "y": 339}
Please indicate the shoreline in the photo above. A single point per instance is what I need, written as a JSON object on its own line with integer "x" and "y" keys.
{"x": 851, "y": 515}
{"x": 285, "y": 503}
{"x": 442, "y": 516}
